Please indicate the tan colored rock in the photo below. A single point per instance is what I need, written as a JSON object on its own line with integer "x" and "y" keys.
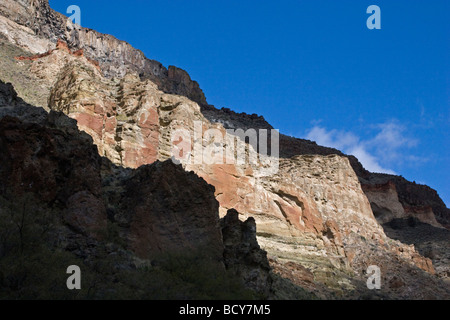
{"x": 424, "y": 214}
{"x": 312, "y": 212}
{"x": 384, "y": 201}
{"x": 34, "y": 26}
{"x": 386, "y": 205}
{"x": 23, "y": 36}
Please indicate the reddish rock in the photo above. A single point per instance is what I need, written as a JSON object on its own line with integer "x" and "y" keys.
{"x": 79, "y": 53}
{"x": 62, "y": 45}
{"x": 56, "y": 166}
{"x": 93, "y": 122}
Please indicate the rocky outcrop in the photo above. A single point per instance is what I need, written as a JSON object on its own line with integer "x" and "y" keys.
{"x": 243, "y": 255}
{"x": 419, "y": 201}
{"x": 232, "y": 120}
{"x": 60, "y": 165}
{"x": 33, "y": 25}
{"x": 384, "y": 201}
{"x": 416, "y": 200}
{"x": 168, "y": 209}
{"x": 57, "y": 169}
{"x": 430, "y": 242}
{"x": 311, "y": 213}
{"x": 123, "y": 126}
{"x": 138, "y": 216}
{"x": 60, "y": 45}
{"x": 386, "y": 205}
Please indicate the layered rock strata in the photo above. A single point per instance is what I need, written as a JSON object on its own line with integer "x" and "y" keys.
{"x": 311, "y": 213}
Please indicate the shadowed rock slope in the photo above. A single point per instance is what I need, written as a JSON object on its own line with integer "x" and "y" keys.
{"x": 316, "y": 216}
{"x": 150, "y": 233}
{"x": 32, "y": 25}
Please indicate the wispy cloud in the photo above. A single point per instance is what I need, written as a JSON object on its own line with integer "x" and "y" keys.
{"x": 387, "y": 144}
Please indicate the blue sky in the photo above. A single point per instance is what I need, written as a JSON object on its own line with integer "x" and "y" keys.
{"x": 312, "y": 68}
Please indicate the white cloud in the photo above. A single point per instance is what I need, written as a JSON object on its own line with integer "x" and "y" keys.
{"x": 369, "y": 161}
{"x": 376, "y": 154}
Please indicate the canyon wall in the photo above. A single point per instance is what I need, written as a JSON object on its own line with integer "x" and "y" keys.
{"x": 314, "y": 214}
{"x": 34, "y": 26}
{"x": 310, "y": 213}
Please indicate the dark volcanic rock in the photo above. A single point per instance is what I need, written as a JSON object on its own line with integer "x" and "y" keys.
{"x": 431, "y": 242}
{"x": 56, "y": 166}
{"x": 243, "y": 254}
{"x": 168, "y": 208}
{"x": 95, "y": 208}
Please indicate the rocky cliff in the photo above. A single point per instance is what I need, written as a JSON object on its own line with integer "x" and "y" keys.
{"x": 119, "y": 225}
{"x": 34, "y": 26}
{"x": 315, "y": 214}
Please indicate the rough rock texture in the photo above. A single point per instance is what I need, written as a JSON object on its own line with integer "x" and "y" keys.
{"x": 419, "y": 201}
{"x": 107, "y": 110}
{"x": 54, "y": 167}
{"x": 122, "y": 121}
{"x": 170, "y": 209}
{"x": 232, "y": 120}
{"x": 32, "y": 89}
{"x": 416, "y": 200}
{"x": 431, "y": 242}
{"x": 386, "y": 205}
{"x": 33, "y": 25}
{"x": 312, "y": 213}
{"x": 155, "y": 210}
{"x": 384, "y": 202}
{"x": 312, "y": 216}
{"x": 243, "y": 254}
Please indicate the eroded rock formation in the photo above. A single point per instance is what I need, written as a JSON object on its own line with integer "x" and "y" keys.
{"x": 138, "y": 216}
{"x": 311, "y": 213}
{"x": 315, "y": 215}
{"x": 33, "y": 25}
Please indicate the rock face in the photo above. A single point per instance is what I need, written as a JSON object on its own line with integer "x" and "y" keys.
{"x": 431, "y": 242}
{"x": 164, "y": 214}
{"x": 311, "y": 213}
{"x": 243, "y": 254}
{"x": 156, "y": 210}
{"x": 314, "y": 208}
{"x": 73, "y": 181}
{"x": 386, "y": 205}
{"x": 33, "y": 25}
{"x": 123, "y": 126}
{"x": 418, "y": 201}
{"x": 408, "y": 198}
{"x": 384, "y": 201}
{"x": 33, "y": 145}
